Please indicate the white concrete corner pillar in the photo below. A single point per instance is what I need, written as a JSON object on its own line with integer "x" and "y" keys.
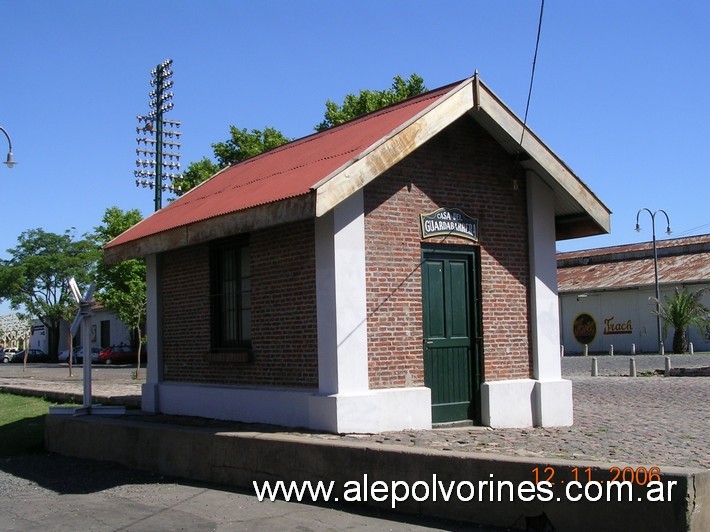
{"x": 552, "y": 397}
{"x": 341, "y": 299}
{"x": 149, "y": 393}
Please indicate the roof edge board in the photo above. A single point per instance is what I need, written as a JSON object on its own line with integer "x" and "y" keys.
{"x": 260, "y": 217}
{"x": 392, "y": 148}
{"x": 544, "y": 157}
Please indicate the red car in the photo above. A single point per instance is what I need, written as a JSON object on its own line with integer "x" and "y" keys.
{"x": 120, "y": 354}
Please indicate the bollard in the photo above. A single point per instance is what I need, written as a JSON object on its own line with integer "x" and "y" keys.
{"x": 633, "y": 349}
{"x": 562, "y": 351}
{"x": 662, "y": 349}
{"x": 611, "y": 350}
{"x": 692, "y": 350}
{"x": 668, "y": 366}
{"x": 595, "y": 368}
{"x": 586, "y": 350}
{"x": 632, "y": 367}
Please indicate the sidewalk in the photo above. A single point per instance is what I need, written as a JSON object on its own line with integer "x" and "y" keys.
{"x": 111, "y": 385}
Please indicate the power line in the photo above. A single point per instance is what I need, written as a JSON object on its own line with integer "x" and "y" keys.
{"x": 532, "y": 74}
{"x": 692, "y": 230}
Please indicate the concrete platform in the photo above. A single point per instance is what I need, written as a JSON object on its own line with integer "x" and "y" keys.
{"x": 618, "y": 422}
{"x": 240, "y": 458}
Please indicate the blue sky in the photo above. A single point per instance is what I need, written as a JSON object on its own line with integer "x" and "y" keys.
{"x": 620, "y": 94}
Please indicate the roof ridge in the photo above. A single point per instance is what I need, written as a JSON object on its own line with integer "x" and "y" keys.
{"x": 432, "y": 94}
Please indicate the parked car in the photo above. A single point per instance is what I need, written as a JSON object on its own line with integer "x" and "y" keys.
{"x": 8, "y": 353}
{"x": 95, "y": 351}
{"x": 34, "y": 355}
{"x": 78, "y": 355}
{"x": 64, "y": 355}
{"x": 120, "y": 354}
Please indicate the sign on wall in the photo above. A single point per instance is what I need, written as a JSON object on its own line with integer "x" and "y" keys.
{"x": 449, "y": 222}
{"x": 617, "y": 327}
{"x": 584, "y": 328}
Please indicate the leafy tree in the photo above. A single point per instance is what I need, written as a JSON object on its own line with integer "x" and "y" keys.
{"x": 242, "y": 145}
{"x": 681, "y": 311}
{"x": 36, "y": 276}
{"x": 195, "y": 174}
{"x": 122, "y": 287}
{"x": 366, "y": 101}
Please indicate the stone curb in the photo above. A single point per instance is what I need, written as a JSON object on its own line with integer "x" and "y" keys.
{"x": 240, "y": 459}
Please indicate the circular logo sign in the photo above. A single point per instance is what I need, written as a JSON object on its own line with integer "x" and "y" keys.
{"x": 584, "y": 328}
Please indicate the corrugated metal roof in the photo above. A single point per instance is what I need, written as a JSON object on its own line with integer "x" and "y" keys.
{"x": 308, "y": 177}
{"x": 680, "y": 260}
{"x": 285, "y": 172}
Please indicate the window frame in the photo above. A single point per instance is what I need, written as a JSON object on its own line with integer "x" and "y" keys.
{"x": 218, "y": 293}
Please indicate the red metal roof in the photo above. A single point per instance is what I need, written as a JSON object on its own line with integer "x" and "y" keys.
{"x": 680, "y": 260}
{"x": 285, "y": 172}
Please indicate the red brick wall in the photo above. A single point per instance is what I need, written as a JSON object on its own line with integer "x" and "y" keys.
{"x": 462, "y": 167}
{"x": 284, "y": 345}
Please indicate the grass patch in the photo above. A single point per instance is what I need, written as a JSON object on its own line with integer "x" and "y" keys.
{"x": 22, "y": 424}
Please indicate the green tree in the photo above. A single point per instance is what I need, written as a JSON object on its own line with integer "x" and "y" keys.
{"x": 366, "y": 101}
{"x": 196, "y": 173}
{"x": 241, "y": 145}
{"x": 36, "y": 276}
{"x": 681, "y": 311}
{"x": 122, "y": 287}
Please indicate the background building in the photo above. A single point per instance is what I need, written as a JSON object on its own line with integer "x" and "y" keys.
{"x": 608, "y": 297}
{"x": 106, "y": 330}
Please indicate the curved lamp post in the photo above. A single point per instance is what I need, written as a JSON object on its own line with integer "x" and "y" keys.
{"x": 10, "y": 162}
{"x": 655, "y": 266}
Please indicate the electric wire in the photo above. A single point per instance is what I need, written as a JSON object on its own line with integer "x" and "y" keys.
{"x": 532, "y": 75}
{"x": 691, "y": 230}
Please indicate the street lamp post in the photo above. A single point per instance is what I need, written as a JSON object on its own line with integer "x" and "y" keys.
{"x": 10, "y": 162}
{"x": 655, "y": 266}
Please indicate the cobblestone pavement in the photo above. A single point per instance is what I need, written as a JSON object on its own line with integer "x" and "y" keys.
{"x": 650, "y": 421}
{"x": 644, "y": 421}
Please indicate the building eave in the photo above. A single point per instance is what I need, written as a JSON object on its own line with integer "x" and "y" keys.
{"x": 260, "y": 217}
{"x": 578, "y": 212}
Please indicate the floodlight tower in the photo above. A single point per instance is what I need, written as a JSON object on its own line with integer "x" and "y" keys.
{"x": 161, "y": 164}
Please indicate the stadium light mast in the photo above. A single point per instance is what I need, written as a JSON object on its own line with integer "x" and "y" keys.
{"x": 159, "y": 165}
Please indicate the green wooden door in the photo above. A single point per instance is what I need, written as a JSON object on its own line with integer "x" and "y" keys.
{"x": 450, "y": 367}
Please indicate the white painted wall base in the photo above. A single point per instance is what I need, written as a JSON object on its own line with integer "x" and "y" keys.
{"x": 150, "y": 398}
{"x": 553, "y": 403}
{"x": 371, "y": 411}
{"x": 376, "y": 410}
{"x": 526, "y": 403}
{"x": 507, "y": 404}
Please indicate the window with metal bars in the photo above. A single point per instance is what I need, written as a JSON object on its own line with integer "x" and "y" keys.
{"x": 230, "y": 295}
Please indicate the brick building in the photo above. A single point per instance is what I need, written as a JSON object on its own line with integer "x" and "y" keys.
{"x": 390, "y": 272}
